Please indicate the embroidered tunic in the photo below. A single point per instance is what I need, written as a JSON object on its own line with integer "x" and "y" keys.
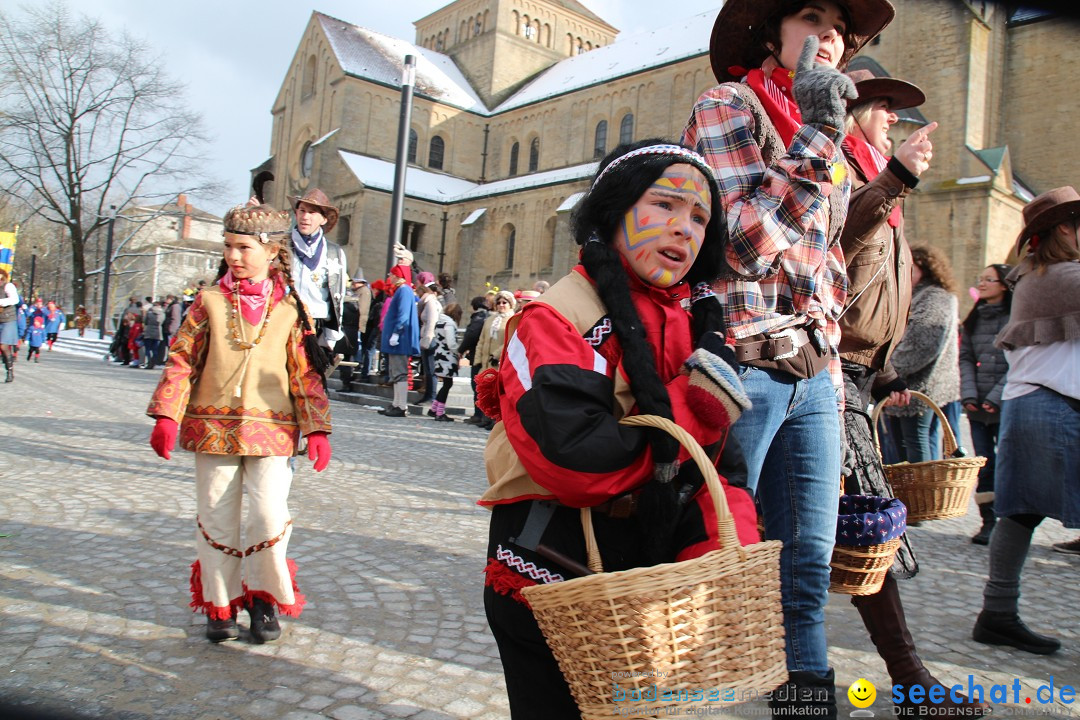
{"x": 281, "y": 395}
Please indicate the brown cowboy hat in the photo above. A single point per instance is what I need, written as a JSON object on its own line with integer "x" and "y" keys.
{"x": 1047, "y": 210}
{"x": 900, "y": 93}
{"x": 318, "y": 198}
{"x": 736, "y": 35}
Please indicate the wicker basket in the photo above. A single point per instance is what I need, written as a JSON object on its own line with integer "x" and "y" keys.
{"x": 861, "y": 570}
{"x": 935, "y": 489}
{"x": 624, "y": 639}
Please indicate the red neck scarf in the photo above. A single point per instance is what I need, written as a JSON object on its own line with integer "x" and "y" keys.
{"x": 870, "y": 162}
{"x": 252, "y": 296}
{"x": 774, "y": 92}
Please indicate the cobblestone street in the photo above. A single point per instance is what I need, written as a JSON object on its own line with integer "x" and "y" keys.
{"x": 98, "y": 536}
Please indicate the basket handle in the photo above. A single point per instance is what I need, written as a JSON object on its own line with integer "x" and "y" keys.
{"x": 729, "y": 538}
{"x": 948, "y": 438}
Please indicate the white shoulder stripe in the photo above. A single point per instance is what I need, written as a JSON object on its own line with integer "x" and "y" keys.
{"x": 515, "y": 349}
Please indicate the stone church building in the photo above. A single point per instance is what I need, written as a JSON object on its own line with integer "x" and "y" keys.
{"x": 516, "y": 99}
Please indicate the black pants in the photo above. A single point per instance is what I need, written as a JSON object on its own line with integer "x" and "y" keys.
{"x": 444, "y": 389}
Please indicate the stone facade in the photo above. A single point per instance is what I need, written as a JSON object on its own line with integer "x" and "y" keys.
{"x": 510, "y": 117}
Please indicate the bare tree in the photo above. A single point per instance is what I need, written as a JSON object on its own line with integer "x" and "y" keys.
{"x": 89, "y": 120}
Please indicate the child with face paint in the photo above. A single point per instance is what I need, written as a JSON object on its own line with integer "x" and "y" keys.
{"x": 610, "y": 339}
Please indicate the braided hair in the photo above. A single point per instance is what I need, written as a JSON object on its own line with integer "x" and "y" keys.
{"x": 595, "y": 222}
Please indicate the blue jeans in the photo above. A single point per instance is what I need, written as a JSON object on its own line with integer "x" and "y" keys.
{"x": 952, "y": 414}
{"x": 985, "y": 438}
{"x": 360, "y": 357}
{"x": 791, "y": 440}
{"x": 914, "y": 437}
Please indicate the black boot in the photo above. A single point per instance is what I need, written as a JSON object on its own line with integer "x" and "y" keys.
{"x": 805, "y": 694}
{"x": 1006, "y": 628}
{"x": 883, "y": 615}
{"x": 264, "y": 623}
{"x": 986, "y": 510}
{"x": 221, "y": 630}
{"x": 8, "y": 365}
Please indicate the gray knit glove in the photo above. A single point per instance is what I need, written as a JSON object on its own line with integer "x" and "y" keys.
{"x": 821, "y": 90}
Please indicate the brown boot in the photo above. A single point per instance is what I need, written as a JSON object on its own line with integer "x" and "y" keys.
{"x": 883, "y": 615}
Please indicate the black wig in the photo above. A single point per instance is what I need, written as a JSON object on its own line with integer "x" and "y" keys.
{"x": 595, "y": 222}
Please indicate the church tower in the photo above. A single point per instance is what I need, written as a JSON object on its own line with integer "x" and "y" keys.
{"x": 499, "y": 44}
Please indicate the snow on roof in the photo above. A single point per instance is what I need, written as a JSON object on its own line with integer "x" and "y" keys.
{"x": 570, "y": 202}
{"x": 473, "y": 217}
{"x": 325, "y": 137}
{"x": 626, "y": 56}
{"x": 436, "y": 187}
{"x": 420, "y": 184}
{"x": 371, "y": 55}
{"x": 532, "y": 180}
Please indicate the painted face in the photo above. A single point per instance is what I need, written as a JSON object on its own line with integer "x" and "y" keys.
{"x": 875, "y": 129}
{"x": 662, "y": 233}
{"x": 248, "y": 258}
{"x": 820, "y": 17}
{"x": 990, "y": 286}
{"x": 309, "y": 218}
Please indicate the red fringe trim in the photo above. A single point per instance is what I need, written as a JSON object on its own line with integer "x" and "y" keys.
{"x": 293, "y": 610}
{"x": 505, "y": 581}
{"x": 204, "y": 606}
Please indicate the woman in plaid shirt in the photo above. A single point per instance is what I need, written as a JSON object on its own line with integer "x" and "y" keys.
{"x": 772, "y": 131}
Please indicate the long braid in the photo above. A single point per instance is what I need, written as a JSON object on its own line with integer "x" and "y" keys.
{"x": 659, "y": 498}
{"x": 316, "y": 356}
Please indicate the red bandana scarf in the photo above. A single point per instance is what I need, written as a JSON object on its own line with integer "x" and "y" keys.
{"x": 774, "y": 92}
{"x": 870, "y": 162}
{"x": 252, "y": 296}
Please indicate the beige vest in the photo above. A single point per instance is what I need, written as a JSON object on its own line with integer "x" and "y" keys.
{"x": 264, "y": 385}
{"x": 575, "y": 298}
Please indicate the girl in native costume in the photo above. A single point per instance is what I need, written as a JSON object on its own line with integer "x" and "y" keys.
{"x": 240, "y": 388}
{"x": 612, "y": 338}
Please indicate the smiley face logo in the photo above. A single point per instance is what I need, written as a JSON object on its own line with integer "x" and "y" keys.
{"x": 862, "y": 693}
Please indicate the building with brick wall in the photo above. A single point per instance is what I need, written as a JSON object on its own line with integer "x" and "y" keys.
{"x": 516, "y": 99}
{"x": 160, "y": 250}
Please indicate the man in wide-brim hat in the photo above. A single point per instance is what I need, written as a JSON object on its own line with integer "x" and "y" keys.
{"x": 318, "y": 265}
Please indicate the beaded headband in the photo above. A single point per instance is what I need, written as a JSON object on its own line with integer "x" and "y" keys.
{"x": 674, "y": 150}
{"x": 263, "y": 222}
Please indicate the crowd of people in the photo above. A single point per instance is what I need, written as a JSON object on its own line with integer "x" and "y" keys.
{"x": 35, "y": 325}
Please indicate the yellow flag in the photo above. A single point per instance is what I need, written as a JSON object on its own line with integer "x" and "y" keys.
{"x": 7, "y": 250}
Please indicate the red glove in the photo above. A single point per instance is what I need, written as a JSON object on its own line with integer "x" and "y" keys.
{"x": 163, "y": 438}
{"x": 318, "y": 449}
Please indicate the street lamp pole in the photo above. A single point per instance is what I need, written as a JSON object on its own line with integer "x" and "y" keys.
{"x": 108, "y": 266}
{"x": 33, "y": 270}
{"x": 397, "y": 203}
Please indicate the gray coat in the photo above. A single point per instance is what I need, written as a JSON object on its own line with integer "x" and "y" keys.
{"x": 983, "y": 366}
{"x": 927, "y": 357}
{"x": 155, "y": 318}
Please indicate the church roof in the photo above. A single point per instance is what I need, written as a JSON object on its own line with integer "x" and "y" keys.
{"x": 370, "y": 55}
{"x": 422, "y": 184}
{"x": 628, "y": 55}
{"x": 580, "y": 9}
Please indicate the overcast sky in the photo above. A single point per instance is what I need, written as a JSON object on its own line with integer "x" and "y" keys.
{"x": 233, "y": 55}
